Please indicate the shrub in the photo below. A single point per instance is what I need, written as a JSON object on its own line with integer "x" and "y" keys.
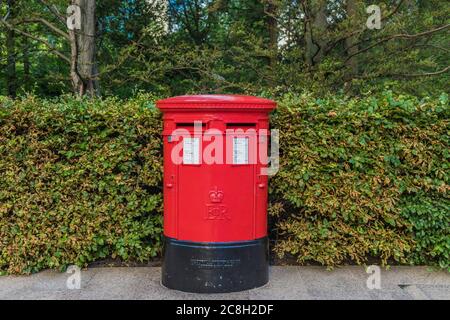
{"x": 80, "y": 180}
{"x": 362, "y": 177}
{"x": 430, "y": 219}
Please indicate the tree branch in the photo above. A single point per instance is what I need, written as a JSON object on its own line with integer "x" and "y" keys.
{"x": 428, "y": 74}
{"x": 397, "y": 36}
{"x": 46, "y": 23}
{"x": 353, "y": 33}
{"x": 54, "y": 10}
{"x": 393, "y": 11}
{"x": 46, "y": 43}
{"x": 404, "y": 75}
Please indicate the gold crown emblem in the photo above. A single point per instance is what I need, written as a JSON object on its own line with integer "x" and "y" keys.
{"x": 215, "y": 195}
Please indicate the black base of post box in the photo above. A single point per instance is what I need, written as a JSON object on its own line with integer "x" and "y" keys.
{"x": 215, "y": 267}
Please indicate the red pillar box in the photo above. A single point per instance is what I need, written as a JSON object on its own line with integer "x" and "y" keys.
{"x": 215, "y": 192}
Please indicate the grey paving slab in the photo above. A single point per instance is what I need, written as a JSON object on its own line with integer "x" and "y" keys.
{"x": 286, "y": 282}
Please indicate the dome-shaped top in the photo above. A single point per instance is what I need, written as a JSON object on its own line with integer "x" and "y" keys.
{"x": 216, "y": 101}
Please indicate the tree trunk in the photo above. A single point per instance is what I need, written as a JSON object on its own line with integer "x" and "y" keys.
{"x": 83, "y": 66}
{"x": 315, "y": 26}
{"x": 351, "y": 48}
{"x": 26, "y": 64}
{"x": 273, "y": 32}
{"x": 11, "y": 76}
{"x": 77, "y": 82}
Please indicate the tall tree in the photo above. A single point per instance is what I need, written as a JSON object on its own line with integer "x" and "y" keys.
{"x": 84, "y": 71}
{"x": 26, "y": 63}
{"x": 351, "y": 45}
{"x": 315, "y": 27}
{"x": 11, "y": 76}
{"x": 272, "y": 28}
{"x": 80, "y": 42}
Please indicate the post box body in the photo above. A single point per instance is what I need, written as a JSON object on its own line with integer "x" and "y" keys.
{"x": 215, "y": 192}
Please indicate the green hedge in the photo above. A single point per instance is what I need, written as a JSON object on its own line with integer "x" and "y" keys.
{"x": 363, "y": 178}
{"x": 80, "y": 180}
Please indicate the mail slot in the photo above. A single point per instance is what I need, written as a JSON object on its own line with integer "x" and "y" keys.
{"x": 215, "y": 192}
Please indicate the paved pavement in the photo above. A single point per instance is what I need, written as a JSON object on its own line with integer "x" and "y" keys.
{"x": 286, "y": 282}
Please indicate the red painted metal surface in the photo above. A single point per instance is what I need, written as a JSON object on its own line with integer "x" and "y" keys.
{"x": 223, "y": 201}
{"x": 216, "y": 101}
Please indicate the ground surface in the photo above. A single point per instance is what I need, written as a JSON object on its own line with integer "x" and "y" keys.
{"x": 286, "y": 282}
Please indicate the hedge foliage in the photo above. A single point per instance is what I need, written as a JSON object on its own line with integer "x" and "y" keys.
{"x": 363, "y": 177}
{"x": 80, "y": 180}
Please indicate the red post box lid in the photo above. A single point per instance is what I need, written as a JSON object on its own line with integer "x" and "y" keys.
{"x": 215, "y": 101}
